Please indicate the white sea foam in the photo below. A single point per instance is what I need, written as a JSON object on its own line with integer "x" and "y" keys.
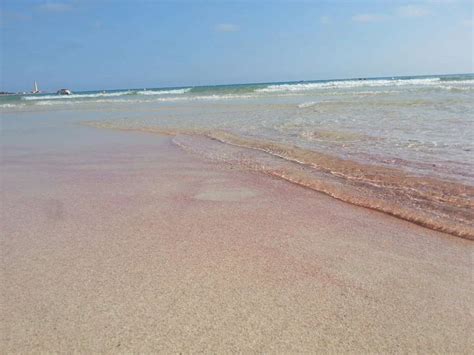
{"x": 359, "y": 88}
{"x": 348, "y": 84}
{"x": 106, "y": 94}
{"x": 75, "y": 96}
{"x": 164, "y": 92}
{"x": 144, "y": 99}
{"x": 11, "y": 105}
{"x": 308, "y": 104}
{"x": 55, "y": 102}
{"x": 206, "y": 97}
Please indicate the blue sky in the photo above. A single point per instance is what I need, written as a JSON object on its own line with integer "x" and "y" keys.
{"x": 85, "y": 44}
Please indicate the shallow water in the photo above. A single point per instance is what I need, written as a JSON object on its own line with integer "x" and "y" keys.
{"x": 401, "y": 145}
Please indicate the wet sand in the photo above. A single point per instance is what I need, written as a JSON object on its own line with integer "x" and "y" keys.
{"x": 139, "y": 246}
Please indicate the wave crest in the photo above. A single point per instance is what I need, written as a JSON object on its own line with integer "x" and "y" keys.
{"x": 107, "y": 94}
{"x": 347, "y": 84}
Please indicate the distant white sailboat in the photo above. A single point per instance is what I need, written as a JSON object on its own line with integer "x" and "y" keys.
{"x": 35, "y": 89}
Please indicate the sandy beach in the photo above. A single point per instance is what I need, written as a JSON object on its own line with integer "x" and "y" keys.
{"x": 129, "y": 244}
{"x": 236, "y": 177}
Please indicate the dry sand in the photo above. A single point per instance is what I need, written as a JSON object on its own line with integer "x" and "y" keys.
{"x": 142, "y": 247}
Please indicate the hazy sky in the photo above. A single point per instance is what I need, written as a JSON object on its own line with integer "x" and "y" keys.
{"x": 85, "y": 44}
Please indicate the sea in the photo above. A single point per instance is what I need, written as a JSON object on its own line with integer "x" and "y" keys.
{"x": 399, "y": 145}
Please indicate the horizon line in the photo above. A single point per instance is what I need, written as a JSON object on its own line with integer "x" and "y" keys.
{"x": 252, "y": 83}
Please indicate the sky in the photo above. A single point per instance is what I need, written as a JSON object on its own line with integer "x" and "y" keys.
{"x": 101, "y": 44}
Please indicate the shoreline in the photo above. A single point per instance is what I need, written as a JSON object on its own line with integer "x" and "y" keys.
{"x": 135, "y": 245}
{"x": 343, "y": 190}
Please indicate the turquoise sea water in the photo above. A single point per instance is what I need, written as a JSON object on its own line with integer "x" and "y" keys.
{"x": 388, "y": 137}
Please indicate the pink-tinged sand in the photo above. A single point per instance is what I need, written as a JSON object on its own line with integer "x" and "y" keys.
{"x": 147, "y": 248}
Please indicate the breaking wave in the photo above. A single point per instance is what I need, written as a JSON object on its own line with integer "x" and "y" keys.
{"x": 164, "y": 92}
{"x": 106, "y": 94}
{"x": 463, "y": 84}
{"x": 349, "y": 84}
{"x": 308, "y": 104}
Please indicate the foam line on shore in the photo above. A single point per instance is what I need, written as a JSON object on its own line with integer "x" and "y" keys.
{"x": 437, "y": 204}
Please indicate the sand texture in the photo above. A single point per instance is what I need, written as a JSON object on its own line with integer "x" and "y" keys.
{"x": 142, "y": 247}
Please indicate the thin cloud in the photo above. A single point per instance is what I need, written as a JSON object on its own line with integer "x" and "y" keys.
{"x": 325, "y": 20}
{"x": 55, "y": 6}
{"x": 440, "y": 1}
{"x": 468, "y": 23}
{"x": 368, "y": 18}
{"x": 8, "y": 17}
{"x": 227, "y": 27}
{"x": 412, "y": 11}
